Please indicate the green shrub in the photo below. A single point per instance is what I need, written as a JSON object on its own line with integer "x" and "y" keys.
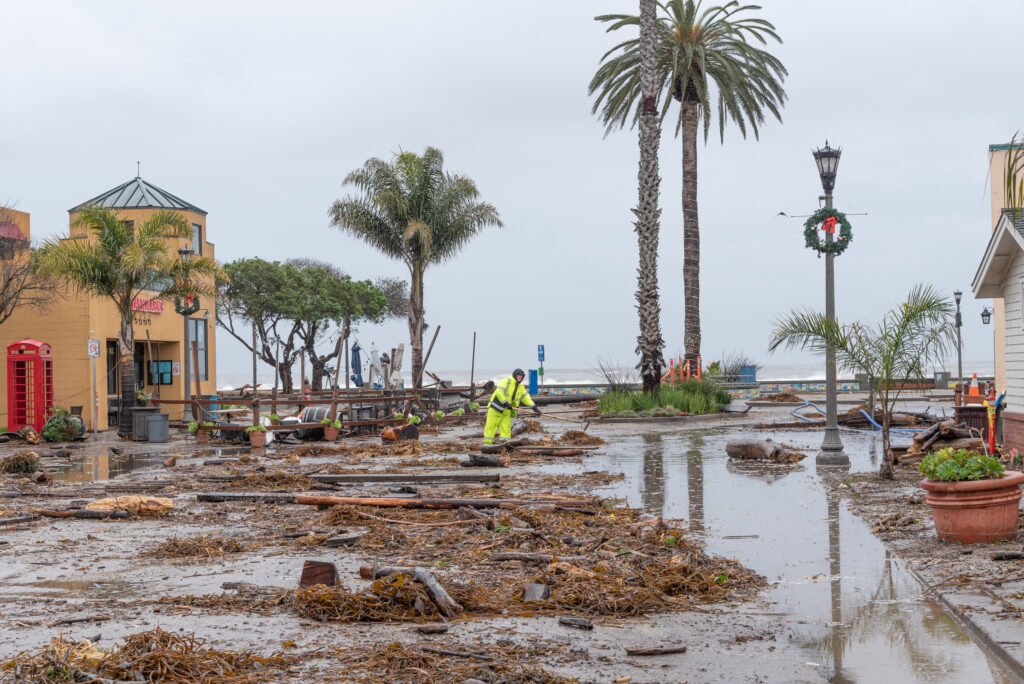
{"x": 336, "y": 424}
{"x": 274, "y": 417}
{"x": 438, "y": 415}
{"x": 473, "y": 406}
{"x": 60, "y": 427}
{"x": 256, "y": 428}
{"x": 412, "y": 420}
{"x": 693, "y": 396}
{"x": 459, "y": 412}
{"x": 956, "y": 465}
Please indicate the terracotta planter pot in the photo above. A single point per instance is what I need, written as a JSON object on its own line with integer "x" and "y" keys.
{"x": 330, "y": 433}
{"x": 202, "y": 437}
{"x": 257, "y": 438}
{"x": 975, "y": 511}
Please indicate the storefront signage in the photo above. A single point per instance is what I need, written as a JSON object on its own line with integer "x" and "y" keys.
{"x": 148, "y": 305}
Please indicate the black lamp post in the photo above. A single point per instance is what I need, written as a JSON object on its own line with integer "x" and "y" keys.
{"x": 186, "y": 356}
{"x": 959, "y": 343}
{"x": 986, "y": 316}
{"x": 827, "y": 159}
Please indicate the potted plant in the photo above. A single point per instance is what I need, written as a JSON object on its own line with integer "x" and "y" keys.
{"x": 141, "y": 397}
{"x": 331, "y": 428}
{"x": 275, "y": 419}
{"x": 257, "y": 435}
{"x": 973, "y": 498}
{"x": 201, "y": 431}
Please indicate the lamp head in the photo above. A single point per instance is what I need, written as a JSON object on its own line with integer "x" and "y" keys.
{"x": 957, "y": 295}
{"x": 986, "y": 316}
{"x": 827, "y": 159}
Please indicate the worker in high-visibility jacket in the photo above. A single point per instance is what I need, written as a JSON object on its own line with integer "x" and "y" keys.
{"x": 509, "y": 394}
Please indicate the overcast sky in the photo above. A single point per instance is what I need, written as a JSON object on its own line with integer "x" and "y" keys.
{"x": 255, "y": 112}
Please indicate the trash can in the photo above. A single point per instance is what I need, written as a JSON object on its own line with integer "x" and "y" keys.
{"x": 139, "y": 425}
{"x": 157, "y": 427}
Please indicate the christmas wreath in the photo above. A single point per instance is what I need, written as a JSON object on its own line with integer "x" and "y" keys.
{"x": 826, "y": 219}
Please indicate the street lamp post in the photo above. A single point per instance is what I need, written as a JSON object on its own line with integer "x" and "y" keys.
{"x": 827, "y": 159}
{"x": 959, "y": 343}
{"x": 186, "y": 255}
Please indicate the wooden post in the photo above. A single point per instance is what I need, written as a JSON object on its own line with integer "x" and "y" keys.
{"x": 472, "y": 369}
{"x": 149, "y": 352}
{"x": 302, "y": 373}
{"x": 197, "y": 410}
{"x": 419, "y": 376}
{"x": 346, "y": 365}
{"x": 255, "y": 411}
{"x": 254, "y": 385}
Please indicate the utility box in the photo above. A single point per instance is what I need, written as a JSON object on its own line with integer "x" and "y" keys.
{"x": 29, "y": 384}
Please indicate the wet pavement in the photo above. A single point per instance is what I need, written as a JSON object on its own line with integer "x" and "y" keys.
{"x": 847, "y": 599}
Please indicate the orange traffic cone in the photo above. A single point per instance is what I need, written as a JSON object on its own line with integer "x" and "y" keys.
{"x": 973, "y": 391}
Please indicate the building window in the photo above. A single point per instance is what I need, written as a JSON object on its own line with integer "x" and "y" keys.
{"x": 111, "y": 366}
{"x": 197, "y": 239}
{"x": 197, "y": 334}
{"x": 159, "y": 373}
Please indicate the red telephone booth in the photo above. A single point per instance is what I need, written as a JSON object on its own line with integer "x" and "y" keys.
{"x": 29, "y": 384}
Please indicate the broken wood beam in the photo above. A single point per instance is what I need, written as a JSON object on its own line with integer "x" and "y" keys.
{"x": 380, "y": 478}
{"x": 668, "y": 650}
{"x": 264, "y": 497}
{"x": 531, "y": 557}
{"x": 17, "y": 519}
{"x": 403, "y": 502}
{"x": 83, "y": 513}
{"x": 498, "y": 448}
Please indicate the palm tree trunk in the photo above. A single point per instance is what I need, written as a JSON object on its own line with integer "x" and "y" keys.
{"x": 649, "y": 343}
{"x": 416, "y": 324}
{"x": 691, "y": 233}
{"x": 126, "y": 349}
{"x": 886, "y": 468}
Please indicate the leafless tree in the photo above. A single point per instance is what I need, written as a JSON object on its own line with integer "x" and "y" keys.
{"x": 19, "y": 286}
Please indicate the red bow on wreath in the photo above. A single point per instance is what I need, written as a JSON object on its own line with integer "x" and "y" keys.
{"x": 829, "y": 226}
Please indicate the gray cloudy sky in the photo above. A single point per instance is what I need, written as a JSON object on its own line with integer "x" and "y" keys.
{"x": 255, "y": 111}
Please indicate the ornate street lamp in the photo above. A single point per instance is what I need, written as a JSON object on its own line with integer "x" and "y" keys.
{"x": 986, "y": 316}
{"x": 959, "y": 343}
{"x": 827, "y": 159}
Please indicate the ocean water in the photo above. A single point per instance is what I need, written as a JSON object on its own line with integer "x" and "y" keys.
{"x": 814, "y": 370}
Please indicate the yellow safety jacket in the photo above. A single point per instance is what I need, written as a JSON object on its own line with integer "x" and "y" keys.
{"x": 509, "y": 395}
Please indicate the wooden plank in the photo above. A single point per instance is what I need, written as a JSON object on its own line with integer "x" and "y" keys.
{"x": 404, "y": 502}
{"x": 382, "y": 478}
{"x": 264, "y": 497}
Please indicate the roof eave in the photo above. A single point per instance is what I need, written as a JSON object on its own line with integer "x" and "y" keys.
{"x": 1004, "y": 244}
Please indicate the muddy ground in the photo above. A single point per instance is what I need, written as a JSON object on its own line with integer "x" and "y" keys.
{"x": 107, "y": 580}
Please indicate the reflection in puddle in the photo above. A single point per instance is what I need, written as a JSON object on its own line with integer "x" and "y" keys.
{"x": 849, "y": 600}
{"x": 92, "y": 589}
{"x": 105, "y": 465}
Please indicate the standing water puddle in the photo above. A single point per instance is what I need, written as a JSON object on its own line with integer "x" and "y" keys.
{"x": 847, "y": 599}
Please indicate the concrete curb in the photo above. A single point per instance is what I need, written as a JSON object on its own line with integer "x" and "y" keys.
{"x": 674, "y": 419}
{"x": 980, "y": 635}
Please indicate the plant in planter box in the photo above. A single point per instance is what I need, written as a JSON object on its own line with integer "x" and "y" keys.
{"x": 331, "y": 428}
{"x": 972, "y": 496}
{"x": 200, "y": 430}
{"x": 257, "y": 435}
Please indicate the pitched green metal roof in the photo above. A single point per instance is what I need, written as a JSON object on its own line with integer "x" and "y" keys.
{"x": 138, "y": 194}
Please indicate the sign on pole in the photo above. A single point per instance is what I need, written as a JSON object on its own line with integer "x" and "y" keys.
{"x": 94, "y": 348}
{"x": 540, "y": 353}
{"x": 175, "y": 369}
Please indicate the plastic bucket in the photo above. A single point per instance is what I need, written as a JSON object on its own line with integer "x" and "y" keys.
{"x": 158, "y": 426}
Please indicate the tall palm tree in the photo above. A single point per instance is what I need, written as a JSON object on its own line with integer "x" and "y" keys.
{"x": 649, "y": 343}
{"x": 411, "y": 209}
{"x": 122, "y": 261}
{"x": 697, "y": 48}
{"x": 917, "y": 333}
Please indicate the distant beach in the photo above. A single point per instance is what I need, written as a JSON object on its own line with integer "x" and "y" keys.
{"x": 586, "y": 376}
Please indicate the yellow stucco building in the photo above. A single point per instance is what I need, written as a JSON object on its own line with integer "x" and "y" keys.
{"x": 163, "y": 364}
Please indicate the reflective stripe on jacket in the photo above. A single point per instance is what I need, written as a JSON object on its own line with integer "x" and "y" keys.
{"x": 509, "y": 395}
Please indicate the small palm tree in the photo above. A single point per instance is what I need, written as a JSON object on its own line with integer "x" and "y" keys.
{"x": 411, "y": 209}
{"x": 121, "y": 261}
{"x": 697, "y": 48}
{"x": 917, "y": 333}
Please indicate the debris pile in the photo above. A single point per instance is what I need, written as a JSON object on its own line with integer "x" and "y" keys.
{"x": 23, "y": 462}
{"x": 785, "y": 396}
{"x": 942, "y": 435}
{"x": 153, "y": 656}
{"x": 196, "y": 548}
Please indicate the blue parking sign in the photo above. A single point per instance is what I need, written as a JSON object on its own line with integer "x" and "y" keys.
{"x": 540, "y": 352}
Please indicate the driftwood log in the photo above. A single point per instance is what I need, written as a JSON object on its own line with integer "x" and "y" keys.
{"x": 504, "y": 446}
{"x": 942, "y": 435}
{"x": 448, "y": 606}
{"x": 486, "y": 461}
{"x": 82, "y": 513}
